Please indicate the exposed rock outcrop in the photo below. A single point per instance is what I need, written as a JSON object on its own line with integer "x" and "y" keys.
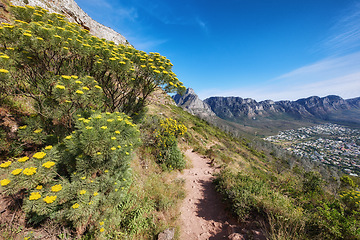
{"x": 74, "y": 13}
{"x": 193, "y": 104}
{"x": 233, "y": 108}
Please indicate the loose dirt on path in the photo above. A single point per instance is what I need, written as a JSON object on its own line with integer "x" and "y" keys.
{"x": 203, "y": 215}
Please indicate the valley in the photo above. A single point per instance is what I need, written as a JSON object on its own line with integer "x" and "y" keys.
{"x": 330, "y": 144}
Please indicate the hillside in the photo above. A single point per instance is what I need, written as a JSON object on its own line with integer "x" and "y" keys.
{"x": 93, "y": 147}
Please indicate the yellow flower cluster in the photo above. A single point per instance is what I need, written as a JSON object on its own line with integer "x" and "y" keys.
{"x": 29, "y": 171}
{"x": 48, "y": 164}
{"x": 5, "y": 164}
{"x": 39, "y": 155}
{"x": 49, "y": 199}
{"x": 23, "y": 159}
{"x": 56, "y": 188}
{"x": 172, "y": 127}
{"x": 351, "y": 196}
{"x": 16, "y": 171}
{"x": 5, "y": 182}
{"x": 75, "y": 206}
{"x": 35, "y": 196}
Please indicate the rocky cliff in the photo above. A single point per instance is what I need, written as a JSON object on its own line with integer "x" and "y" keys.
{"x": 193, "y": 104}
{"x": 74, "y": 13}
{"x": 233, "y": 108}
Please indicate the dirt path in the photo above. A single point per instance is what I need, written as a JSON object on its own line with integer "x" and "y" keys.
{"x": 202, "y": 213}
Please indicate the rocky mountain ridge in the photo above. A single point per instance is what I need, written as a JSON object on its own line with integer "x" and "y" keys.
{"x": 312, "y": 107}
{"x": 270, "y": 116}
{"x": 191, "y": 103}
{"x": 74, "y": 13}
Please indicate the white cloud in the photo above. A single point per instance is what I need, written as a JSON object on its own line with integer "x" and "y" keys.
{"x": 344, "y": 36}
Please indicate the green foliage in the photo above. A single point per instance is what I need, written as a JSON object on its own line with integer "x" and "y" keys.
{"x": 333, "y": 223}
{"x": 347, "y": 182}
{"x": 80, "y": 180}
{"x": 166, "y": 142}
{"x": 312, "y": 183}
{"x": 249, "y": 194}
{"x": 40, "y": 46}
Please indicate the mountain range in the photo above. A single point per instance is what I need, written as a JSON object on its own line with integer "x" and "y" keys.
{"x": 274, "y": 115}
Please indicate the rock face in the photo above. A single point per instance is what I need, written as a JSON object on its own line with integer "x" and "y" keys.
{"x": 232, "y": 108}
{"x": 74, "y": 13}
{"x": 193, "y": 104}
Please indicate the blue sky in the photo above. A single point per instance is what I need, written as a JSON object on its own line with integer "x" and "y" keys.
{"x": 261, "y": 49}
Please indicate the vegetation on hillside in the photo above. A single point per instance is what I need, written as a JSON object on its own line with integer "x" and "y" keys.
{"x": 84, "y": 154}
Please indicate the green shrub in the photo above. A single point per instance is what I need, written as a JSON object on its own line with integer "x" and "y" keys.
{"x": 169, "y": 155}
{"x": 81, "y": 180}
{"x": 47, "y": 46}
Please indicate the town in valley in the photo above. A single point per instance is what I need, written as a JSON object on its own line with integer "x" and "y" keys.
{"x": 331, "y": 144}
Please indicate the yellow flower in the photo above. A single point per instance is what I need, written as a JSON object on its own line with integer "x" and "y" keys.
{"x": 79, "y": 92}
{"x": 76, "y": 205}
{"x": 104, "y": 127}
{"x": 48, "y": 147}
{"x": 29, "y": 171}
{"x": 86, "y": 88}
{"x": 23, "y": 159}
{"x": 78, "y": 82}
{"x": 119, "y": 146}
{"x": 3, "y": 70}
{"x": 102, "y": 229}
{"x": 27, "y": 34}
{"x": 56, "y": 188}
{"x": 68, "y": 137}
{"x": 101, "y": 223}
{"x": 95, "y": 194}
{"x": 39, "y": 187}
{"x": 113, "y": 138}
{"x": 48, "y": 164}
{"x": 74, "y": 76}
{"x": 60, "y": 87}
{"x": 110, "y": 120}
{"x": 116, "y": 189}
{"x": 23, "y": 127}
{"x": 49, "y": 199}
{"x": 16, "y": 171}
{"x": 38, "y": 130}
{"x": 98, "y": 153}
{"x": 89, "y": 128}
{"x": 83, "y": 178}
{"x": 34, "y": 196}
{"x": 4, "y": 56}
{"x": 117, "y": 132}
{"x": 82, "y": 192}
{"x": 113, "y": 148}
{"x": 39, "y": 155}
{"x": 5, "y": 182}
{"x": 97, "y": 86}
{"x": 66, "y": 77}
{"x": 106, "y": 171}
